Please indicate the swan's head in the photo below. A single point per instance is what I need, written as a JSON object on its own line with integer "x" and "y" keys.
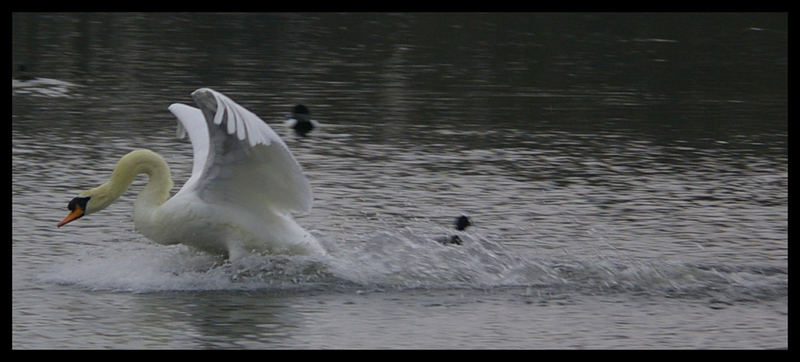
{"x": 77, "y": 208}
{"x": 134, "y": 163}
{"x": 86, "y": 203}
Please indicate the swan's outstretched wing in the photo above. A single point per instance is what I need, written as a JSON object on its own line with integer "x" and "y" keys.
{"x": 191, "y": 122}
{"x": 238, "y": 158}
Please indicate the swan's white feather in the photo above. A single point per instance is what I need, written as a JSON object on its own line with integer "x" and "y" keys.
{"x": 191, "y": 122}
{"x": 239, "y": 159}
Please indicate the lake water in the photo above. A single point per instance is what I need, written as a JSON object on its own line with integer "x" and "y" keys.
{"x": 627, "y": 175}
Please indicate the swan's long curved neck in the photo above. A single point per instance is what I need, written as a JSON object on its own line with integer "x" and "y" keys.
{"x": 129, "y": 166}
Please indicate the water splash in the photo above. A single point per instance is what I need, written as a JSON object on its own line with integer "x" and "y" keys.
{"x": 407, "y": 259}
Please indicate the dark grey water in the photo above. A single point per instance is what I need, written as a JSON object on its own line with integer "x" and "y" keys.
{"x": 627, "y": 175}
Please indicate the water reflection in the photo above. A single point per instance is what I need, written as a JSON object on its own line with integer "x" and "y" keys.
{"x": 218, "y": 320}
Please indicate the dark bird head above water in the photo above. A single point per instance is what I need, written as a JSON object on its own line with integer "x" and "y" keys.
{"x": 301, "y": 120}
{"x": 462, "y": 222}
{"x": 300, "y": 111}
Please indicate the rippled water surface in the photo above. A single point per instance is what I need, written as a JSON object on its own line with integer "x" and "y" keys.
{"x": 627, "y": 175}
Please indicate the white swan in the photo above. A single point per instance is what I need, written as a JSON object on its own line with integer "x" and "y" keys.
{"x": 244, "y": 186}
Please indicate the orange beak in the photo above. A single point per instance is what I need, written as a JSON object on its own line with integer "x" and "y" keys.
{"x": 76, "y": 213}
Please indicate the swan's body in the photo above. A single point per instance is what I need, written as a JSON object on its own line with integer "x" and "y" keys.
{"x": 245, "y": 184}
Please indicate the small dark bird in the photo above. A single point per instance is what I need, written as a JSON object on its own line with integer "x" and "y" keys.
{"x": 301, "y": 121}
{"x": 462, "y": 222}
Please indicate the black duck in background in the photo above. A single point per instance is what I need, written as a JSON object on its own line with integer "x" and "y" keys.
{"x": 300, "y": 121}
